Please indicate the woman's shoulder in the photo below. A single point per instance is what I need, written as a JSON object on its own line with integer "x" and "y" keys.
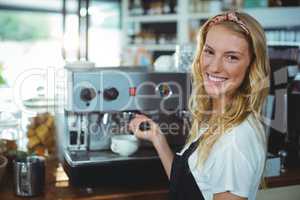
{"x": 245, "y": 139}
{"x": 248, "y": 131}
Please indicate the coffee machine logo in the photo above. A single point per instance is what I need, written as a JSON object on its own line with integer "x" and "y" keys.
{"x": 164, "y": 90}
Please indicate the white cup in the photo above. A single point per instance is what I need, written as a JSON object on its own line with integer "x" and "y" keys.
{"x": 125, "y": 145}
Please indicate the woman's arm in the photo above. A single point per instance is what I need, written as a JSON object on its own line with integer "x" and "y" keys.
{"x": 164, "y": 152}
{"x": 157, "y": 138}
{"x": 227, "y": 196}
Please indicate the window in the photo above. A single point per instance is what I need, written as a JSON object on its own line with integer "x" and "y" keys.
{"x": 105, "y": 33}
{"x": 31, "y": 37}
{"x": 29, "y": 40}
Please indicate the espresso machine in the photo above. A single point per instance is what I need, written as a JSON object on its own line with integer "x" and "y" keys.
{"x": 99, "y": 103}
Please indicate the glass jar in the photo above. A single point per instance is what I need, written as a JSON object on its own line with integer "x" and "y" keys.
{"x": 184, "y": 57}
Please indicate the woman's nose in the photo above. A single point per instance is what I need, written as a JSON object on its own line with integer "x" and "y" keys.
{"x": 215, "y": 65}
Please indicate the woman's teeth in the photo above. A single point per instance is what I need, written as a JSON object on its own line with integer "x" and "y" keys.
{"x": 216, "y": 79}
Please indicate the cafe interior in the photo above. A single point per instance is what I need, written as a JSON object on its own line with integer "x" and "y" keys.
{"x": 74, "y": 73}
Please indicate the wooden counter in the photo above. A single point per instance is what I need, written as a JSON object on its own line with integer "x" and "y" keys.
{"x": 57, "y": 187}
{"x": 290, "y": 177}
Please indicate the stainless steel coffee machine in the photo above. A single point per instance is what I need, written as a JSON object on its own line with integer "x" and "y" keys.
{"x": 100, "y": 102}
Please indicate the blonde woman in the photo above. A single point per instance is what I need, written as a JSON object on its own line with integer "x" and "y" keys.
{"x": 226, "y": 151}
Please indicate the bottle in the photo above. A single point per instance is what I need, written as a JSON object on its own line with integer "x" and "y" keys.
{"x": 136, "y": 8}
{"x": 166, "y": 7}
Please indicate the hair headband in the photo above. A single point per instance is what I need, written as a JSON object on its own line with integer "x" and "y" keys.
{"x": 229, "y": 16}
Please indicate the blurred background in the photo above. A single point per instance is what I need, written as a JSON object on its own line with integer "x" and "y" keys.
{"x": 37, "y": 38}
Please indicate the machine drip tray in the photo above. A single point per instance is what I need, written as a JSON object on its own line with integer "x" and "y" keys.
{"x": 106, "y": 167}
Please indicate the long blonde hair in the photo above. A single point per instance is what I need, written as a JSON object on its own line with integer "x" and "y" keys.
{"x": 248, "y": 98}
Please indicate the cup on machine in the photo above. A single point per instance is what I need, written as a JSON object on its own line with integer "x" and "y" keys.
{"x": 124, "y": 145}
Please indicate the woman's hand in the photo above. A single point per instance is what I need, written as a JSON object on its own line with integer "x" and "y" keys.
{"x": 152, "y": 134}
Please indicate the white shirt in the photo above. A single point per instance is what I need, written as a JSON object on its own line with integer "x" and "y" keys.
{"x": 235, "y": 163}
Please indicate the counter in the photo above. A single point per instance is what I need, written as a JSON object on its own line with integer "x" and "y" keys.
{"x": 58, "y": 187}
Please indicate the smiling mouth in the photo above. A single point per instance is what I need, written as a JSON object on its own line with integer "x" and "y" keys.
{"x": 217, "y": 79}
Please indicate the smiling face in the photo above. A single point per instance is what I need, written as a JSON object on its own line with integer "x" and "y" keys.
{"x": 224, "y": 61}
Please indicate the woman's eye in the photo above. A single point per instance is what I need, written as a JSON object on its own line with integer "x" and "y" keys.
{"x": 207, "y": 51}
{"x": 232, "y": 58}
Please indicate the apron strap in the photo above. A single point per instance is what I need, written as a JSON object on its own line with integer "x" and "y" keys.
{"x": 182, "y": 183}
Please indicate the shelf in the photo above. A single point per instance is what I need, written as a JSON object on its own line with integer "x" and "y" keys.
{"x": 276, "y": 16}
{"x": 283, "y": 43}
{"x": 153, "y": 18}
{"x": 269, "y": 17}
{"x": 200, "y": 16}
{"x": 155, "y": 47}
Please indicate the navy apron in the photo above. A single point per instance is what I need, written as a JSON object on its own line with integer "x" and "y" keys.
{"x": 182, "y": 183}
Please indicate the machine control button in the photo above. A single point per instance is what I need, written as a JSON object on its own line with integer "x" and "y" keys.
{"x": 110, "y": 94}
{"x": 87, "y": 94}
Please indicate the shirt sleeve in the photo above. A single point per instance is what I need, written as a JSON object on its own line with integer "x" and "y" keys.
{"x": 232, "y": 172}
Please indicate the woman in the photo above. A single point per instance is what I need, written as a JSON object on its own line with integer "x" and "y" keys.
{"x": 225, "y": 153}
